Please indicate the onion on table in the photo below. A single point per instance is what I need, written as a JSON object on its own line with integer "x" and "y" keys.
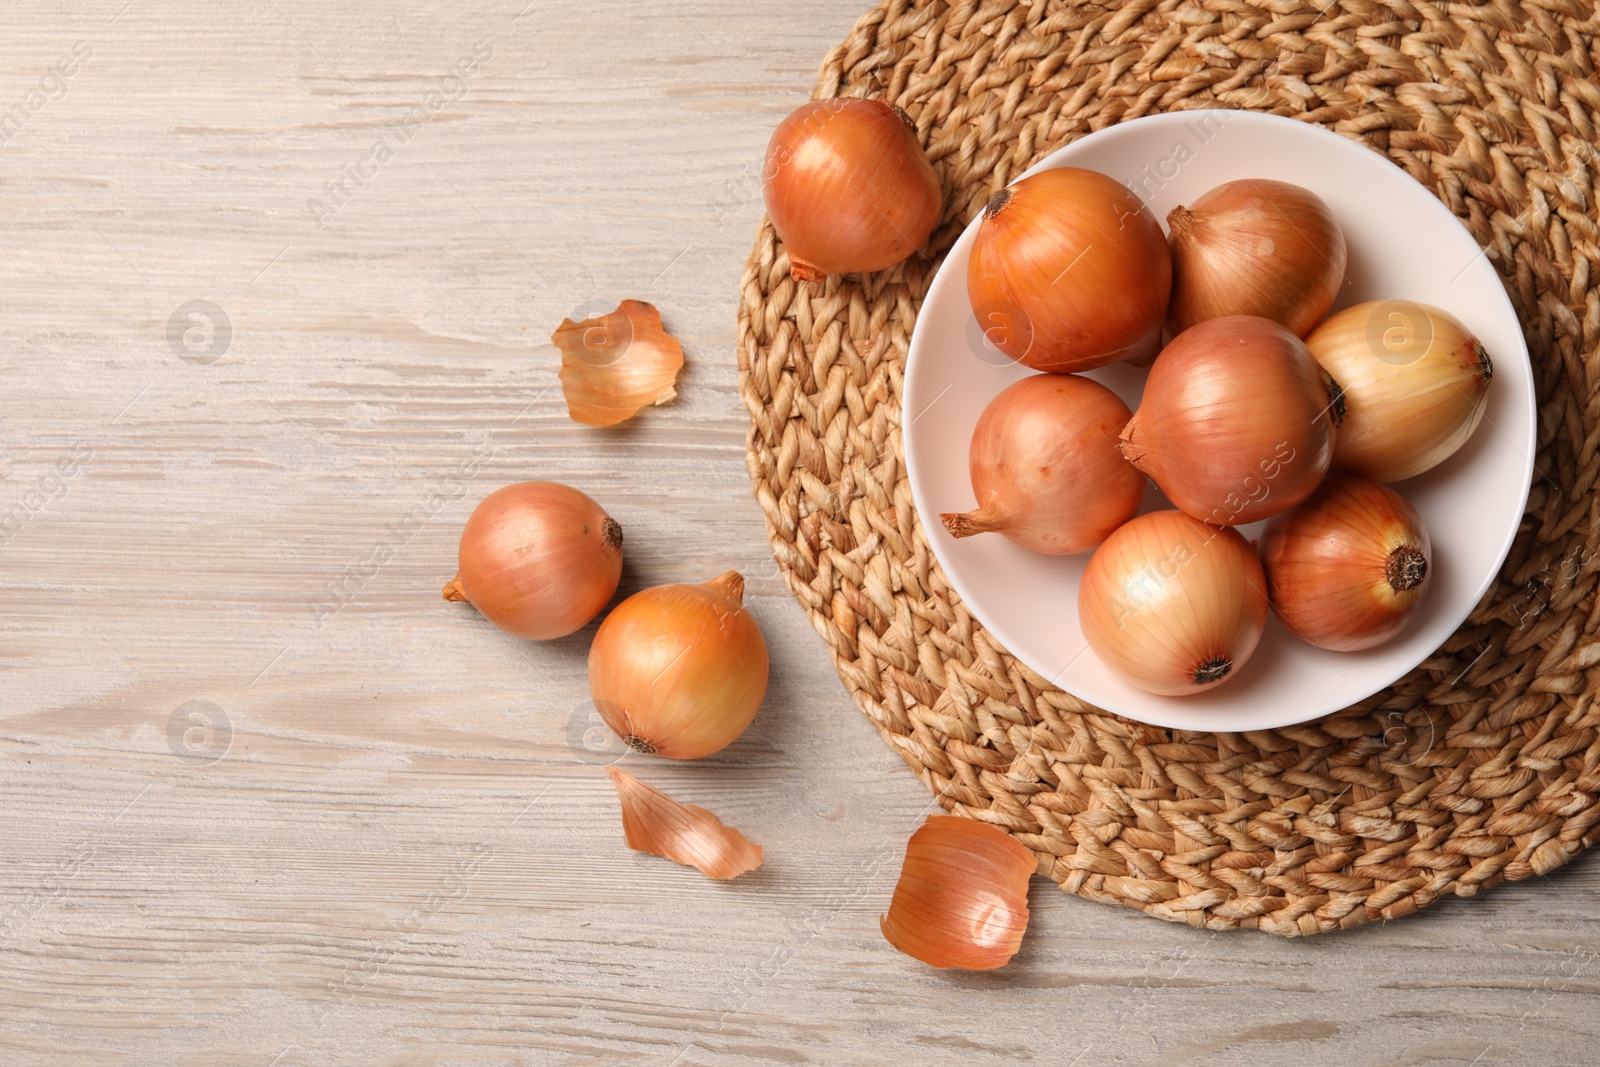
{"x": 680, "y": 670}
{"x": 538, "y": 559}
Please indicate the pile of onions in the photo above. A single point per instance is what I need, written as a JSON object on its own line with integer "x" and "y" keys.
{"x": 1415, "y": 380}
{"x": 962, "y": 897}
{"x": 1045, "y": 466}
{"x": 538, "y": 559}
{"x": 1172, "y": 605}
{"x": 1255, "y": 247}
{"x": 1347, "y": 569}
{"x": 680, "y": 670}
{"x": 1237, "y": 421}
{"x": 1069, "y": 271}
{"x": 849, "y": 187}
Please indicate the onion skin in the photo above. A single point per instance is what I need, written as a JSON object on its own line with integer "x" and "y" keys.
{"x": 1237, "y": 422}
{"x": 1069, "y": 271}
{"x": 614, "y": 365}
{"x": 1046, "y": 469}
{"x": 683, "y": 833}
{"x": 1172, "y": 605}
{"x": 962, "y": 897}
{"x": 680, "y": 670}
{"x": 538, "y": 559}
{"x": 1347, "y": 569}
{"x": 1416, "y": 384}
{"x": 849, "y": 188}
{"x": 1255, "y": 247}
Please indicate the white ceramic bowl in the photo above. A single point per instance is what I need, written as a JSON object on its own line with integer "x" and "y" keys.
{"x": 1404, "y": 244}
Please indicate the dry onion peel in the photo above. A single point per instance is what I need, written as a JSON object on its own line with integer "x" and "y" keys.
{"x": 683, "y": 833}
{"x": 615, "y": 364}
{"x": 962, "y": 897}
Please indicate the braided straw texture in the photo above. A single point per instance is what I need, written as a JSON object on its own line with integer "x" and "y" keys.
{"x": 1482, "y": 764}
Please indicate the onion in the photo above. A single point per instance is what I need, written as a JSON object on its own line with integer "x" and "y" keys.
{"x": 538, "y": 559}
{"x": 1347, "y": 568}
{"x": 849, "y": 187}
{"x": 1415, "y": 380}
{"x": 680, "y": 670}
{"x": 1045, "y": 466}
{"x": 683, "y": 833}
{"x": 1069, "y": 271}
{"x": 1255, "y": 247}
{"x": 1237, "y": 422}
{"x": 962, "y": 897}
{"x": 1172, "y": 605}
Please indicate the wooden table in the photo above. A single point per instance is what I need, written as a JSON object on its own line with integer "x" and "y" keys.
{"x": 383, "y": 835}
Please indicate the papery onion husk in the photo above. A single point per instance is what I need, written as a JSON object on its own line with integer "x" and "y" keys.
{"x": 538, "y": 559}
{"x": 1069, "y": 271}
{"x": 1255, "y": 247}
{"x": 1237, "y": 421}
{"x": 615, "y": 364}
{"x": 848, "y": 187}
{"x": 1347, "y": 568}
{"x": 680, "y": 670}
{"x": 1172, "y": 605}
{"x": 962, "y": 897}
{"x": 1416, "y": 383}
{"x": 683, "y": 833}
{"x": 1046, "y": 469}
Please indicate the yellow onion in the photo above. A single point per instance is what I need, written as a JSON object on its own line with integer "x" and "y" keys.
{"x": 1415, "y": 381}
{"x": 962, "y": 897}
{"x": 1069, "y": 271}
{"x": 849, "y": 187}
{"x": 680, "y": 670}
{"x": 1255, "y": 247}
{"x": 1347, "y": 568}
{"x": 683, "y": 833}
{"x": 1237, "y": 421}
{"x": 1173, "y": 605}
{"x": 538, "y": 559}
{"x": 1045, "y": 466}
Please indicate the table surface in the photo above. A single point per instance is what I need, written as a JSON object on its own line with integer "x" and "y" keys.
{"x": 384, "y": 834}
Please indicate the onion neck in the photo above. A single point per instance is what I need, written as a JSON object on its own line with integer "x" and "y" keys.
{"x": 455, "y": 591}
{"x": 730, "y": 584}
{"x": 801, "y": 271}
{"x": 1485, "y": 364}
{"x": 968, "y": 523}
{"x": 1182, "y": 222}
{"x": 1405, "y": 568}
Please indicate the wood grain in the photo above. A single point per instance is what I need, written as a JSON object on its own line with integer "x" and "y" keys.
{"x": 388, "y": 839}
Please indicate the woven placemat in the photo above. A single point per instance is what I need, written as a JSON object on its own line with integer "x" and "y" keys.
{"x": 1482, "y": 764}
